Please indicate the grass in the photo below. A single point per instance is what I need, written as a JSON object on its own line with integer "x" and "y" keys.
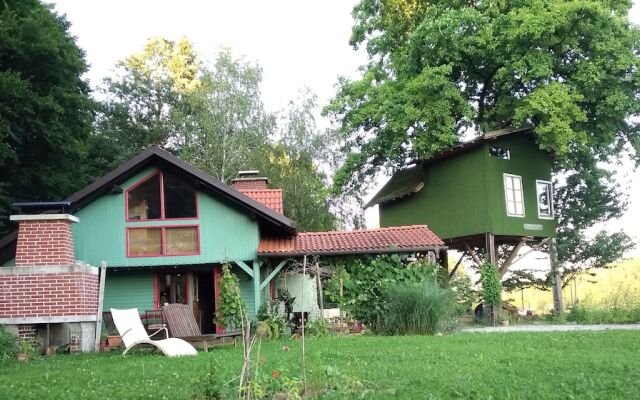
{"x": 591, "y": 291}
{"x": 550, "y": 365}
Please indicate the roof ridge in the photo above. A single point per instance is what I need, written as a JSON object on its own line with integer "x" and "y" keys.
{"x": 356, "y": 231}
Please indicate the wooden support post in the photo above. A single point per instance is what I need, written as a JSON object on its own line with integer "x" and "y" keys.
{"x": 473, "y": 255}
{"x": 256, "y": 287}
{"x": 103, "y": 273}
{"x": 514, "y": 253}
{"x": 490, "y": 248}
{"x": 455, "y": 268}
{"x": 556, "y": 278}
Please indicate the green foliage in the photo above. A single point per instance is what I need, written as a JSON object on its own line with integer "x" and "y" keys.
{"x": 465, "y": 296}
{"x": 274, "y": 324}
{"x": 8, "y": 344}
{"x": 366, "y": 281}
{"x": 417, "y": 309}
{"x": 45, "y": 108}
{"x": 371, "y": 367}
{"x": 230, "y": 305}
{"x": 622, "y": 307}
{"x": 212, "y": 116}
{"x": 317, "y": 328}
{"x": 440, "y": 68}
{"x": 26, "y": 347}
{"x": 491, "y": 288}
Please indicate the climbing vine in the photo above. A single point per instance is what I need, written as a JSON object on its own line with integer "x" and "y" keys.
{"x": 230, "y": 306}
{"x": 491, "y": 288}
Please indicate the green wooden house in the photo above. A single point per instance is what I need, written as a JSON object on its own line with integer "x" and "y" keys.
{"x": 495, "y": 189}
{"x": 164, "y": 229}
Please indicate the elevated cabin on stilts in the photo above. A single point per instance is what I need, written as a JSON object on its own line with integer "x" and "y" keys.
{"x": 493, "y": 190}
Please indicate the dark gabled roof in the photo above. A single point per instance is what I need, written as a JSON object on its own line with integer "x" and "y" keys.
{"x": 409, "y": 180}
{"x": 270, "y": 221}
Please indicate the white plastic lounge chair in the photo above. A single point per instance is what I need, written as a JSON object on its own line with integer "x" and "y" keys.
{"x": 133, "y": 334}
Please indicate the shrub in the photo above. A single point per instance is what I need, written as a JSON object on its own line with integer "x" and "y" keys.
{"x": 8, "y": 344}
{"x": 366, "y": 283}
{"x": 417, "y": 309}
{"x": 464, "y": 294}
{"x": 268, "y": 315}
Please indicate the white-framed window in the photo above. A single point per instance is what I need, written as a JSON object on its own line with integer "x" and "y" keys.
{"x": 513, "y": 195}
{"x": 544, "y": 192}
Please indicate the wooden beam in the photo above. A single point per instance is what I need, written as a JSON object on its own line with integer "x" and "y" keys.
{"x": 472, "y": 254}
{"x": 103, "y": 276}
{"x": 533, "y": 248}
{"x": 455, "y": 268}
{"x": 244, "y": 267}
{"x": 273, "y": 274}
{"x": 514, "y": 253}
{"x": 256, "y": 287}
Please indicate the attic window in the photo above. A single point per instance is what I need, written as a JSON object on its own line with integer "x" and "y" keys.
{"x": 500, "y": 152}
{"x": 161, "y": 196}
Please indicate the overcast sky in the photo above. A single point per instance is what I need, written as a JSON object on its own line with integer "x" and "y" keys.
{"x": 298, "y": 43}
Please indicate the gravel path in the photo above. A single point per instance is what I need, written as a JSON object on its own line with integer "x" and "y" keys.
{"x": 553, "y": 328}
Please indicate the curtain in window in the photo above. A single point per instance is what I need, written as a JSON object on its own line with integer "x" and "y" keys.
{"x": 181, "y": 240}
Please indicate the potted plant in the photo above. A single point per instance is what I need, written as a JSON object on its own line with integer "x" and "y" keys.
{"x": 26, "y": 351}
{"x": 114, "y": 341}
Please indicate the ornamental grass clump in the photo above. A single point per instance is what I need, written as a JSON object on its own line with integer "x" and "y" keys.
{"x": 417, "y": 309}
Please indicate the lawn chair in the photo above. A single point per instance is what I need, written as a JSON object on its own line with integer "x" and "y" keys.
{"x": 182, "y": 324}
{"x": 133, "y": 334}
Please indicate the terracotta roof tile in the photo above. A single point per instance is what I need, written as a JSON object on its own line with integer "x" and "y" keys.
{"x": 271, "y": 198}
{"x": 366, "y": 241}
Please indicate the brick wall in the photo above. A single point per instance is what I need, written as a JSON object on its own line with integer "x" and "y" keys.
{"x": 28, "y": 333}
{"x": 249, "y": 183}
{"x": 44, "y": 242}
{"x": 48, "y": 294}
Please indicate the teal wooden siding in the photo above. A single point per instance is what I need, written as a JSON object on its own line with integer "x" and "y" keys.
{"x": 246, "y": 290}
{"x": 464, "y": 194}
{"x": 225, "y": 233}
{"x": 129, "y": 289}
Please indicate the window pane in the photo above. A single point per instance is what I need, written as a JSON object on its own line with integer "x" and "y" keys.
{"x": 179, "y": 198}
{"x": 181, "y": 240}
{"x": 513, "y": 195}
{"x": 172, "y": 288}
{"x": 544, "y": 199}
{"x": 144, "y": 200}
{"x": 500, "y": 152}
{"x": 145, "y": 242}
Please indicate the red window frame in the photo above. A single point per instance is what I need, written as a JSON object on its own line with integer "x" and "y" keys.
{"x": 163, "y": 250}
{"x": 162, "y": 214}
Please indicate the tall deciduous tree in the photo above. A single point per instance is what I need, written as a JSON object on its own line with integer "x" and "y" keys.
{"x": 224, "y": 122}
{"x": 439, "y": 68}
{"x": 143, "y": 97}
{"x": 45, "y": 109}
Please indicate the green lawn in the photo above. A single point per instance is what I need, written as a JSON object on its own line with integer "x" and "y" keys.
{"x": 516, "y": 365}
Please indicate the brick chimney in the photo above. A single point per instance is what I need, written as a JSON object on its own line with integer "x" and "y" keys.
{"x": 44, "y": 240}
{"x": 249, "y": 180}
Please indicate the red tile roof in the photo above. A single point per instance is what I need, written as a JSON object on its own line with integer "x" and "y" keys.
{"x": 271, "y": 198}
{"x": 366, "y": 241}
